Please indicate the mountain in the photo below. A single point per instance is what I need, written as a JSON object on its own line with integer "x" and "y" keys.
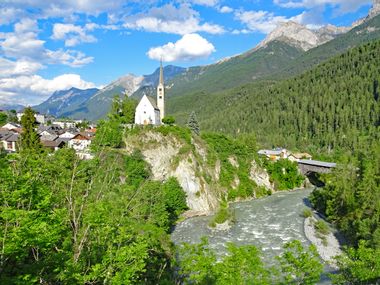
{"x": 98, "y": 105}
{"x": 300, "y": 36}
{"x": 61, "y": 102}
{"x": 281, "y": 47}
{"x": 8, "y": 107}
{"x": 234, "y": 71}
{"x": 368, "y": 31}
{"x": 334, "y": 105}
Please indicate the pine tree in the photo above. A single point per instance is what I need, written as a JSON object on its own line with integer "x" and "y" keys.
{"x": 29, "y": 137}
{"x": 193, "y": 124}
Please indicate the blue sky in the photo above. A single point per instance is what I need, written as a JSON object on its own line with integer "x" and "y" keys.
{"x": 54, "y": 45}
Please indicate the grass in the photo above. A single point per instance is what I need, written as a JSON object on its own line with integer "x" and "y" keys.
{"x": 321, "y": 227}
{"x": 307, "y": 213}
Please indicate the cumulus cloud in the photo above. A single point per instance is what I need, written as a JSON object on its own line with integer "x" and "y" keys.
{"x": 171, "y": 19}
{"x": 15, "y": 68}
{"x": 23, "y": 44}
{"x": 73, "y": 34}
{"x": 210, "y": 3}
{"x": 259, "y": 21}
{"x": 58, "y": 8}
{"x": 33, "y": 89}
{"x": 189, "y": 47}
{"x": 225, "y": 10}
{"x": 342, "y": 6}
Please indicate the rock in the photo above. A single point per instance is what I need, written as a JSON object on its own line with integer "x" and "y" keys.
{"x": 222, "y": 227}
{"x": 301, "y": 37}
{"x": 260, "y": 176}
{"x": 233, "y": 161}
{"x": 160, "y": 152}
{"x": 375, "y": 9}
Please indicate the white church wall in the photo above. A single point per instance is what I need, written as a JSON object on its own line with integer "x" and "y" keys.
{"x": 146, "y": 114}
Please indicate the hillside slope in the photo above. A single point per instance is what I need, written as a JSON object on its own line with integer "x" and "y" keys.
{"x": 62, "y": 102}
{"x": 276, "y": 58}
{"x": 330, "y": 106}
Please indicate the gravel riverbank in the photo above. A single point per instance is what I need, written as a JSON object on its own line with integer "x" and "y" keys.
{"x": 328, "y": 249}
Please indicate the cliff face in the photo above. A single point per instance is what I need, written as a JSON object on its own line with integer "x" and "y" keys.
{"x": 170, "y": 156}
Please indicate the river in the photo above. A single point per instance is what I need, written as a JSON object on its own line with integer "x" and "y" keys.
{"x": 267, "y": 223}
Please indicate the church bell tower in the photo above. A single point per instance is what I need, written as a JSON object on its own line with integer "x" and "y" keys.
{"x": 161, "y": 93}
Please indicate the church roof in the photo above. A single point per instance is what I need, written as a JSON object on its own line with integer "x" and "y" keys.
{"x": 153, "y": 102}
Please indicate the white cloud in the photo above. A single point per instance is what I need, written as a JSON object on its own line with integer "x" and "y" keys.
{"x": 189, "y": 47}
{"x": 9, "y": 15}
{"x": 23, "y": 44}
{"x": 171, "y": 19}
{"x": 57, "y": 8}
{"x": 210, "y": 3}
{"x": 16, "y": 68}
{"x": 342, "y": 6}
{"x": 260, "y": 21}
{"x": 33, "y": 89}
{"x": 72, "y": 34}
{"x": 225, "y": 10}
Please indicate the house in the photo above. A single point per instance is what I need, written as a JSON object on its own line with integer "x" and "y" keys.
{"x": 274, "y": 154}
{"x": 150, "y": 111}
{"x": 53, "y": 145}
{"x": 64, "y": 124}
{"x": 41, "y": 119}
{"x": 67, "y": 135}
{"x": 9, "y": 142}
{"x": 80, "y": 142}
{"x": 299, "y": 156}
{"x": 11, "y": 126}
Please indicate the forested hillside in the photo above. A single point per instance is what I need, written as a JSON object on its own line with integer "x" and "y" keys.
{"x": 252, "y": 65}
{"x": 335, "y": 105}
{"x": 277, "y": 60}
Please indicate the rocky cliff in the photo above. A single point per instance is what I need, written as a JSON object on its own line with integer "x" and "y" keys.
{"x": 188, "y": 160}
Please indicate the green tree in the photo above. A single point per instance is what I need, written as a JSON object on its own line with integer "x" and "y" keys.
{"x": 193, "y": 124}
{"x": 123, "y": 110}
{"x": 3, "y": 118}
{"x": 300, "y": 266}
{"x": 359, "y": 266}
{"x": 29, "y": 138}
{"x": 168, "y": 120}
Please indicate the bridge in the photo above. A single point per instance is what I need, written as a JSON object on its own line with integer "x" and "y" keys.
{"x": 308, "y": 166}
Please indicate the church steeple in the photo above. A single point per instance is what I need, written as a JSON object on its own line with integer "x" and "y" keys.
{"x": 161, "y": 81}
{"x": 161, "y": 93}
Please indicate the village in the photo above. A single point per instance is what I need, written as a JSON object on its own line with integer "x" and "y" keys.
{"x": 53, "y": 134}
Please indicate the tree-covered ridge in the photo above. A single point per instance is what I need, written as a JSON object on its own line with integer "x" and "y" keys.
{"x": 335, "y": 105}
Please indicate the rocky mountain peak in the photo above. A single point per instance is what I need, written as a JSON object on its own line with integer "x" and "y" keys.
{"x": 300, "y": 36}
{"x": 375, "y": 9}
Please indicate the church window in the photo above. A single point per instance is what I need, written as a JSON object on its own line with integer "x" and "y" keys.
{"x": 160, "y": 89}
{"x": 160, "y": 97}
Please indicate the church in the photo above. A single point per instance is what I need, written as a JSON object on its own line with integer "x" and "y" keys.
{"x": 150, "y": 111}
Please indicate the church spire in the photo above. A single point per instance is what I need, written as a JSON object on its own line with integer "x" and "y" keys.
{"x": 161, "y": 74}
{"x": 161, "y": 93}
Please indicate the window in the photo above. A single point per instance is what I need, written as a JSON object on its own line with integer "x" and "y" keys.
{"x": 160, "y": 97}
{"x": 9, "y": 145}
{"x": 160, "y": 89}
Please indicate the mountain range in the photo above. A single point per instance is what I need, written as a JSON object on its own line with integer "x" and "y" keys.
{"x": 287, "y": 51}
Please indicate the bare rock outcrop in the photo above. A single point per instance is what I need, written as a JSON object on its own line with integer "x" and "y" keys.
{"x": 302, "y": 37}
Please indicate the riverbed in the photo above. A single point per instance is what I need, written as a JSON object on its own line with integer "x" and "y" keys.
{"x": 267, "y": 223}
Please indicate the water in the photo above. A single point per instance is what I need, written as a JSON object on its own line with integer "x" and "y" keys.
{"x": 267, "y": 223}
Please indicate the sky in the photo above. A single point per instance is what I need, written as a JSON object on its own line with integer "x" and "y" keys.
{"x": 50, "y": 45}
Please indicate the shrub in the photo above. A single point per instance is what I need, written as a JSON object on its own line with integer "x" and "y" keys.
{"x": 322, "y": 227}
{"x": 307, "y": 213}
